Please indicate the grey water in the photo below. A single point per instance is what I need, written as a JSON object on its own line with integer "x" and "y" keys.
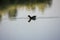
{"x": 40, "y": 29}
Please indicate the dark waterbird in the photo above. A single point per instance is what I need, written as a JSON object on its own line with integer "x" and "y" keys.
{"x": 31, "y": 18}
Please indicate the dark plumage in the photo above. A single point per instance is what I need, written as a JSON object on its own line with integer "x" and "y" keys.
{"x": 31, "y": 18}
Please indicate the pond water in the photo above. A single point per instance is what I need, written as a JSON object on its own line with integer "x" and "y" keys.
{"x": 40, "y": 29}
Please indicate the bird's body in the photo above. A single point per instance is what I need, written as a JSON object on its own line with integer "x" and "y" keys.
{"x": 31, "y": 18}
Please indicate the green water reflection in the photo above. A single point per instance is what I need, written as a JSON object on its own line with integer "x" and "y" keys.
{"x": 12, "y": 11}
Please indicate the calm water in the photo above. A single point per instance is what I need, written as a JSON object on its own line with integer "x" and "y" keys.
{"x": 41, "y": 29}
